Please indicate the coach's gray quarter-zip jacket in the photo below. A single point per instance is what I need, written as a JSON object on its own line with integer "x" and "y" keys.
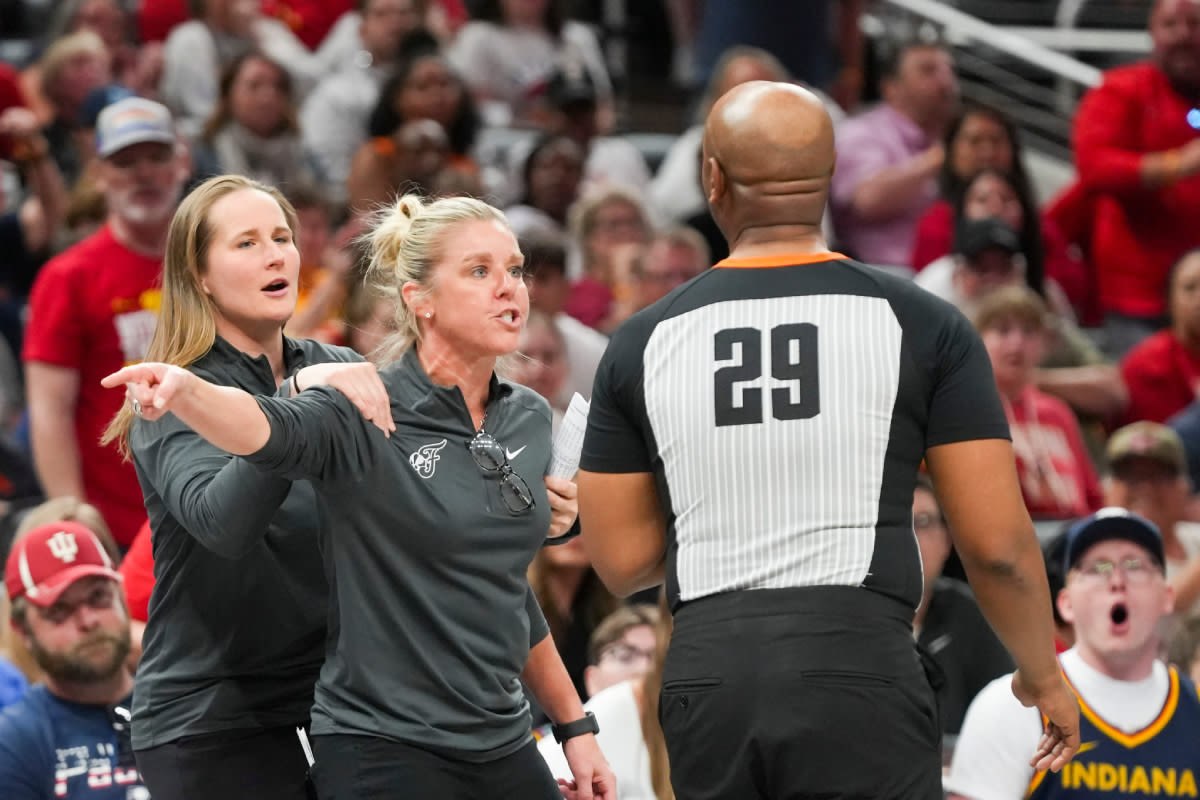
{"x": 432, "y": 617}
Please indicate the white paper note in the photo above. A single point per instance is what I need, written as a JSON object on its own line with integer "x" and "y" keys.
{"x": 568, "y": 444}
{"x": 308, "y": 753}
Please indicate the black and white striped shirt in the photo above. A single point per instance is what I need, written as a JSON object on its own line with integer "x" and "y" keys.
{"x": 784, "y": 406}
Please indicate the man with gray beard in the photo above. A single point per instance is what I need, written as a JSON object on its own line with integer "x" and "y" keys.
{"x": 69, "y": 737}
{"x": 93, "y": 309}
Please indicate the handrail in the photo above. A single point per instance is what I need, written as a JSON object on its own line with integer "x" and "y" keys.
{"x": 958, "y": 23}
{"x": 1090, "y": 40}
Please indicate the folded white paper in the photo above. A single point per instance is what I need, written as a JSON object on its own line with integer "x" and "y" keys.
{"x": 568, "y": 443}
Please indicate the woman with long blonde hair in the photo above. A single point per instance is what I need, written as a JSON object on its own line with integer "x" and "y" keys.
{"x": 237, "y": 618}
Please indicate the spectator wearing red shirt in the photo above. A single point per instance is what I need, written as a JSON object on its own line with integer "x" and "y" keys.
{"x": 93, "y": 309}
{"x": 1058, "y": 480}
{"x": 1137, "y": 149}
{"x": 1163, "y": 371}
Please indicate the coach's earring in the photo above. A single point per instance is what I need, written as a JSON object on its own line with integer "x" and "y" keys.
{"x": 428, "y": 314}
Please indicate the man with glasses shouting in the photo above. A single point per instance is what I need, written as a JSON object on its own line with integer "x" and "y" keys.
{"x": 1141, "y": 718}
{"x": 69, "y": 738}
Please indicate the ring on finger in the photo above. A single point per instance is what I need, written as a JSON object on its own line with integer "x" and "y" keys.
{"x": 137, "y": 406}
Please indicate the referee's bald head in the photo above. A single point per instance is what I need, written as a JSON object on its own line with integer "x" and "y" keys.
{"x": 768, "y": 158}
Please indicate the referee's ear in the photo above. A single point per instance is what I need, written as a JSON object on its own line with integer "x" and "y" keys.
{"x": 718, "y": 184}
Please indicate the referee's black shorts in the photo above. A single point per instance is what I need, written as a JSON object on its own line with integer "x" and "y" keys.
{"x": 792, "y": 694}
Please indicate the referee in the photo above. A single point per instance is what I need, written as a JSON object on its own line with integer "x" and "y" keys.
{"x": 754, "y": 440}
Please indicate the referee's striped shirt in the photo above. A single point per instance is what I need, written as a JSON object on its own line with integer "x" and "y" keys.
{"x": 784, "y": 406}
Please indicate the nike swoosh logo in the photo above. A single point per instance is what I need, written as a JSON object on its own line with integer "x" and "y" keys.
{"x": 512, "y": 454}
{"x": 1083, "y": 748}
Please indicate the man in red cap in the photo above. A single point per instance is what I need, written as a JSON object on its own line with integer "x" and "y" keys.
{"x": 69, "y": 738}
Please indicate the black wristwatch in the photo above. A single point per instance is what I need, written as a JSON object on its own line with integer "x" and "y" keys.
{"x": 569, "y": 730}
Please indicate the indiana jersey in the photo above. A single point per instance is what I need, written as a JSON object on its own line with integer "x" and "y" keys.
{"x": 784, "y": 406}
{"x": 1161, "y": 760}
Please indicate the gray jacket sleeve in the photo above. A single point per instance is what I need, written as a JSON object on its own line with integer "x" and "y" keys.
{"x": 223, "y": 502}
{"x": 317, "y": 435}
{"x": 538, "y": 627}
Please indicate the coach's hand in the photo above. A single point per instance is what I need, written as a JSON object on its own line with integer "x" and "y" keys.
{"x": 361, "y": 384}
{"x": 564, "y": 504}
{"x": 594, "y": 778}
{"x": 1060, "y": 709}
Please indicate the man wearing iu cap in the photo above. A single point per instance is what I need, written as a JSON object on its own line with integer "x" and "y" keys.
{"x": 69, "y": 738}
{"x": 1141, "y": 718}
{"x": 93, "y": 308}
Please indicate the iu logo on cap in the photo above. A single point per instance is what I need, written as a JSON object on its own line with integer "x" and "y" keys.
{"x": 63, "y": 546}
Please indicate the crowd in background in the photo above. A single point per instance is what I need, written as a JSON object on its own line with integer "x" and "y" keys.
{"x": 1088, "y": 305}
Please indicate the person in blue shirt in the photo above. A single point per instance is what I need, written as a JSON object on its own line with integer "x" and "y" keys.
{"x": 69, "y": 738}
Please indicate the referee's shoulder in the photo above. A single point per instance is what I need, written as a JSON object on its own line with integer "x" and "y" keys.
{"x": 906, "y": 297}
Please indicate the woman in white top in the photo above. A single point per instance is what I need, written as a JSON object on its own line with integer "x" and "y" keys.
{"x": 512, "y": 47}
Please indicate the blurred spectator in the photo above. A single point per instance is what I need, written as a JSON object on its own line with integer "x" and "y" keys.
{"x": 670, "y": 260}
{"x": 511, "y": 48}
{"x": 541, "y": 362}
{"x": 980, "y": 140}
{"x": 253, "y": 131}
{"x": 1058, "y": 480}
{"x": 1138, "y": 156}
{"x": 1163, "y": 370}
{"x": 820, "y": 41}
{"x": 310, "y": 20}
{"x": 27, "y": 232}
{"x": 70, "y": 737}
{"x": 1054, "y": 551}
{"x": 157, "y": 18}
{"x": 327, "y": 262}
{"x": 136, "y": 66}
{"x": 347, "y": 41}
{"x": 369, "y": 319}
{"x": 70, "y": 69}
{"x": 93, "y": 309}
{"x": 948, "y": 624}
{"x": 889, "y": 157}
{"x": 631, "y": 642}
{"x": 622, "y": 647}
{"x": 986, "y": 255}
{"x": 573, "y": 600}
{"x": 610, "y": 226}
{"x": 984, "y": 258}
{"x": 546, "y": 264}
{"x": 333, "y": 120}
{"x": 424, "y": 122}
{"x": 11, "y": 95}
{"x": 1139, "y": 716}
{"x": 551, "y": 179}
{"x": 572, "y": 111}
{"x": 675, "y": 191}
{"x": 197, "y": 53}
{"x": 1183, "y": 649}
{"x": 57, "y": 509}
{"x": 1149, "y": 477}
{"x": 137, "y": 571}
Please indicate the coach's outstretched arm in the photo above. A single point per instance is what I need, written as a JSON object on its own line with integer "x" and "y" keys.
{"x": 977, "y": 486}
{"x": 623, "y": 529}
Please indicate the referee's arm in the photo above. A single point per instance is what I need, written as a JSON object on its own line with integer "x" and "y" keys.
{"x": 623, "y": 529}
{"x": 977, "y": 486}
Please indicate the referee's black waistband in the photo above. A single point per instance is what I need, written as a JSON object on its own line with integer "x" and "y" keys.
{"x": 838, "y": 601}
